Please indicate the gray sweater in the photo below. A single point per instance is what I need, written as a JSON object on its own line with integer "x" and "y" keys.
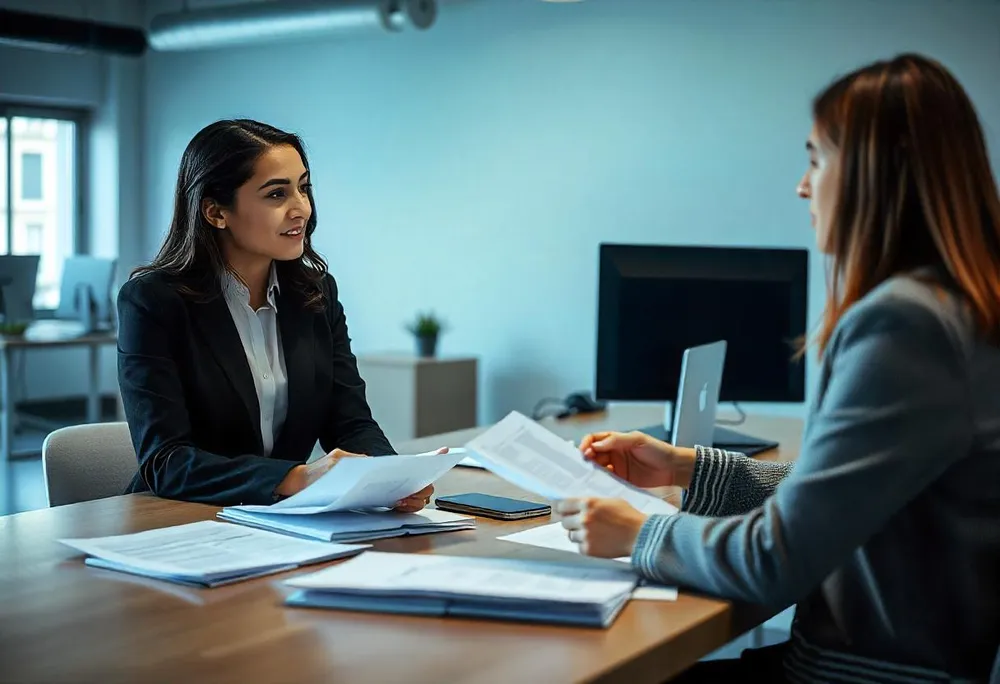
{"x": 886, "y": 532}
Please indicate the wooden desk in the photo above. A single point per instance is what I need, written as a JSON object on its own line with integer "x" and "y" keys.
{"x": 63, "y": 622}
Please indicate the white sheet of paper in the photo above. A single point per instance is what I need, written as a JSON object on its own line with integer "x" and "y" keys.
{"x": 455, "y": 451}
{"x": 374, "y": 571}
{"x": 207, "y": 547}
{"x": 187, "y": 579}
{"x": 365, "y": 483}
{"x": 350, "y": 522}
{"x": 467, "y": 460}
{"x": 526, "y": 454}
{"x": 654, "y": 592}
{"x": 471, "y": 462}
{"x": 554, "y": 536}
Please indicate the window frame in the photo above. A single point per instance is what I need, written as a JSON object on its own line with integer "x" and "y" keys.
{"x": 9, "y": 109}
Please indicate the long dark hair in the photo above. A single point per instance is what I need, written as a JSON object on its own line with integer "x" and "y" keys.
{"x": 217, "y": 161}
{"x": 916, "y": 188}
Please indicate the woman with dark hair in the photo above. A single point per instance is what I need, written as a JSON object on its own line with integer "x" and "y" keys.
{"x": 886, "y": 532}
{"x": 233, "y": 351}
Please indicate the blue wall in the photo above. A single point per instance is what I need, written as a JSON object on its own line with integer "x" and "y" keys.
{"x": 474, "y": 168}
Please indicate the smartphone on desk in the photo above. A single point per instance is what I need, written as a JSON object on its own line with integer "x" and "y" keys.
{"x": 489, "y": 506}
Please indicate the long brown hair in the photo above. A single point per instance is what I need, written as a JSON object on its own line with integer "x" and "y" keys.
{"x": 217, "y": 161}
{"x": 915, "y": 190}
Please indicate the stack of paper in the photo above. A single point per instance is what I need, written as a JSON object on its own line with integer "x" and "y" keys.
{"x": 206, "y": 553}
{"x": 352, "y": 526}
{"x": 554, "y": 536}
{"x": 354, "y": 483}
{"x": 526, "y": 454}
{"x": 350, "y": 502}
{"x": 501, "y": 589}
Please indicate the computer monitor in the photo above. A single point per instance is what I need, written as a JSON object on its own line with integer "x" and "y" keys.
{"x": 18, "y": 275}
{"x": 654, "y": 302}
{"x": 91, "y": 275}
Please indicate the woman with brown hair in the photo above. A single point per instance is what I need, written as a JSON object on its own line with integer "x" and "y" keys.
{"x": 234, "y": 357}
{"x": 886, "y": 532}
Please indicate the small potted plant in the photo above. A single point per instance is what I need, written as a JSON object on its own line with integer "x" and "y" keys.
{"x": 426, "y": 328}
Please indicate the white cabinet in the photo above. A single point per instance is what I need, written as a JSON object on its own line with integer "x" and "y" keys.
{"x": 412, "y": 396}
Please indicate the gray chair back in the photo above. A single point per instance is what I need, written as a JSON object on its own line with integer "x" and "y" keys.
{"x": 86, "y": 462}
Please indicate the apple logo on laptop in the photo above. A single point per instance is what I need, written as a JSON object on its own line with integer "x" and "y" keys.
{"x": 703, "y": 397}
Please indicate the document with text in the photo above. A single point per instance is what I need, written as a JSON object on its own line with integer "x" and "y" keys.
{"x": 206, "y": 552}
{"x": 554, "y": 536}
{"x": 455, "y": 575}
{"x": 496, "y": 588}
{"x": 524, "y": 453}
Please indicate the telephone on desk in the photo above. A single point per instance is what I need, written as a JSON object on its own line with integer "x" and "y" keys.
{"x": 574, "y": 404}
{"x": 582, "y": 402}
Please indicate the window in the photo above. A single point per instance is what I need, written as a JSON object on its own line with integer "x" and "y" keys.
{"x": 33, "y": 238}
{"x": 31, "y": 176}
{"x": 40, "y": 196}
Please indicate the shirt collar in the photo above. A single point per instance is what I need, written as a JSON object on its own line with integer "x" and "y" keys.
{"x": 273, "y": 288}
{"x": 233, "y": 287}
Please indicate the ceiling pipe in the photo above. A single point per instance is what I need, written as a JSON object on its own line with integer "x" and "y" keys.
{"x": 258, "y": 22}
{"x": 47, "y": 32}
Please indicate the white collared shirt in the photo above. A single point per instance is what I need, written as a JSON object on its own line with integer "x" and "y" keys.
{"x": 262, "y": 344}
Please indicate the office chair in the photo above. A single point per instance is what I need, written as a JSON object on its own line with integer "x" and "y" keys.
{"x": 85, "y": 462}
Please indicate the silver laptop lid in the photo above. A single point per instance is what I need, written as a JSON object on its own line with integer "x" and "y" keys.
{"x": 698, "y": 394}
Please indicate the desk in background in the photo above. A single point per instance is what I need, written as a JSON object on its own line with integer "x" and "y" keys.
{"x": 10, "y": 347}
{"x": 62, "y": 621}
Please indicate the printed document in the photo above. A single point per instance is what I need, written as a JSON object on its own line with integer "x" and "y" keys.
{"x": 206, "y": 550}
{"x": 554, "y": 536}
{"x": 451, "y": 575}
{"x": 526, "y": 454}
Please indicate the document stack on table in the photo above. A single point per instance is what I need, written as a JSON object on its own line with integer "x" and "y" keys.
{"x": 554, "y": 537}
{"x": 206, "y": 553}
{"x": 353, "y": 526}
{"x": 450, "y": 586}
{"x": 350, "y": 502}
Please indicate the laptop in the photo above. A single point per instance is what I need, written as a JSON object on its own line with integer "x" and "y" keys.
{"x": 697, "y": 402}
{"x": 698, "y": 395}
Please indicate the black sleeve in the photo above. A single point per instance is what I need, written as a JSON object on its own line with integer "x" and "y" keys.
{"x": 170, "y": 464}
{"x": 350, "y": 425}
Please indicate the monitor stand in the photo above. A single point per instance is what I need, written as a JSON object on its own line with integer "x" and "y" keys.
{"x": 723, "y": 438}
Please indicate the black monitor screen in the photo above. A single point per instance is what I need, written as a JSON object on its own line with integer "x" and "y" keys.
{"x": 655, "y": 302}
{"x": 17, "y": 287}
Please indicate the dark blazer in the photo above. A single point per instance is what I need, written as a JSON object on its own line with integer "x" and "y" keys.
{"x": 191, "y": 404}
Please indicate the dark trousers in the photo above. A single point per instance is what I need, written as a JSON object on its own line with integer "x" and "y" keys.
{"x": 753, "y": 665}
